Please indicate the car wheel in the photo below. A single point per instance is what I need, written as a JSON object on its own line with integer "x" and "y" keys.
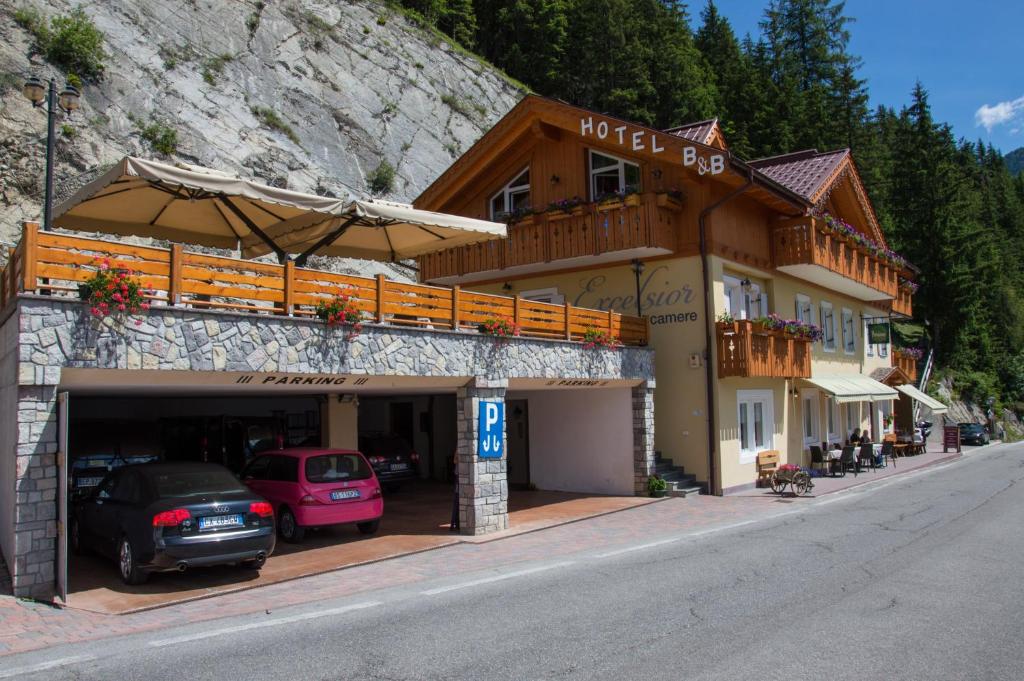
{"x": 130, "y": 572}
{"x": 369, "y": 527}
{"x": 289, "y": 528}
{"x": 75, "y": 538}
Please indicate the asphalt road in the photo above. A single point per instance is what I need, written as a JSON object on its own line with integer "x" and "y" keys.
{"x": 917, "y": 577}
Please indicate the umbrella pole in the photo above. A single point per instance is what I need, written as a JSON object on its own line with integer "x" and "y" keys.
{"x": 281, "y": 255}
{"x": 300, "y": 261}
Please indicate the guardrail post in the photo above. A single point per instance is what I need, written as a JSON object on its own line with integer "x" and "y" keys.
{"x": 381, "y": 283}
{"x": 456, "y": 301}
{"x": 516, "y": 309}
{"x": 12, "y": 278}
{"x": 289, "y": 287}
{"x": 611, "y": 323}
{"x": 568, "y": 321}
{"x": 174, "y": 276}
{"x": 29, "y": 242}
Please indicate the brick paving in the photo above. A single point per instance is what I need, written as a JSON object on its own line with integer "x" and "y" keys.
{"x": 28, "y": 625}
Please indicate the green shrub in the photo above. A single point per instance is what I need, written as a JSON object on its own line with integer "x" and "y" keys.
{"x": 68, "y": 131}
{"x": 269, "y": 118}
{"x": 213, "y": 68}
{"x": 70, "y": 41}
{"x": 382, "y": 180}
{"x": 160, "y": 137}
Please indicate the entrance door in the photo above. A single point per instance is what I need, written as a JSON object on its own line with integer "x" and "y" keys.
{"x": 518, "y": 434}
{"x": 63, "y": 462}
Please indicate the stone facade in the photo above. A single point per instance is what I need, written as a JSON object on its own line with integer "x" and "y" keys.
{"x": 44, "y": 336}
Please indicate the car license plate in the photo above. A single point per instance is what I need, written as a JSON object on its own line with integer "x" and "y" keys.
{"x": 339, "y": 494}
{"x": 88, "y": 482}
{"x": 213, "y": 522}
{"x": 399, "y": 466}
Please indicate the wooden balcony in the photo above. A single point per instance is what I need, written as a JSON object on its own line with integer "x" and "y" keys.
{"x": 902, "y": 304}
{"x": 55, "y": 264}
{"x": 747, "y": 351}
{"x": 805, "y": 250}
{"x": 905, "y": 363}
{"x": 643, "y": 223}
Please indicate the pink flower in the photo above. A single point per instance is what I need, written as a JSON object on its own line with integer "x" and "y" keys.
{"x": 121, "y": 307}
{"x": 105, "y": 265}
{"x": 95, "y": 311}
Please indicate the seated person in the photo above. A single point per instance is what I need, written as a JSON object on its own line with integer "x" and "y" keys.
{"x": 854, "y": 437}
{"x": 865, "y": 439}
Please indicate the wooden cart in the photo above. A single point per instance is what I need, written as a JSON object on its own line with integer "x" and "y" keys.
{"x": 799, "y": 481}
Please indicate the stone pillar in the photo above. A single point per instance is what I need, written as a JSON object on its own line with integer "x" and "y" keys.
{"x": 483, "y": 483}
{"x": 643, "y": 435}
{"x": 339, "y": 422}
{"x": 35, "y": 484}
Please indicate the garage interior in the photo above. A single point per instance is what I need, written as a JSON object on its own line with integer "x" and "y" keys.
{"x": 557, "y": 472}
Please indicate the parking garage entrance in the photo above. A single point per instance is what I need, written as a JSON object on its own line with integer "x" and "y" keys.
{"x": 550, "y": 460}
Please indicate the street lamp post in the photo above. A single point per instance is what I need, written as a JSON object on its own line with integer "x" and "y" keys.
{"x": 638, "y": 268}
{"x": 67, "y": 101}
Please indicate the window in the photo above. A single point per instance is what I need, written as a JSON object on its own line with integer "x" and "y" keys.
{"x": 852, "y": 417}
{"x": 544, "y": 295}
{"x": 756, "y": 421}
{"x": 832, "y": 411}
{"x": 257, "y": 469}
{"x": 804, "y": 311}
{"x": 741, "y": 304}
{"x": 868, "y": 347}
{"x": 809, "y": 407}
{"x": 512, "y": 197}
{"x": 828, "y": 327}
{"x": 849, "y": 337}
{"x": 609, "y": 174}
{"x": 127, "y": 488}
{"x": 336, "y": 467}
{"x": 283, "y": 469}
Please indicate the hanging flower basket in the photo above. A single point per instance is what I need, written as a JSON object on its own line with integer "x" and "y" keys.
{"x": 593, "y": 339}
{"x": 501, "y": 327}
{"x": 113, "y": 292}
{"x": 341, "y": 311}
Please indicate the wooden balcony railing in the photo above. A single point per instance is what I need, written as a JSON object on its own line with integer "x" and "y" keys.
{"x": 54, "y": 264}
{"x": 806, "y": 243}
{"x": 641, "y": 221}
{"x": 747, "y": 351}
{"x": 905, "y": 363}
{"x": 903, "y": 303}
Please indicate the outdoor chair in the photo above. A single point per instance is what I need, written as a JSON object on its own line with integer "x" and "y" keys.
{"x": 767, "y": 462}
{"x": 889, "y": 451}
{"x": 867, "y": 453}
{"x": 847, "y": 460}
{"x": 819, "y": 459}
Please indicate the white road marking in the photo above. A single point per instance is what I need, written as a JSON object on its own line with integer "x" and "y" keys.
{"x": 264, "y": 623}
{"x": 641, "y": 547}
{"x": 43, "y": 666}
{"x": 495, "y": 578}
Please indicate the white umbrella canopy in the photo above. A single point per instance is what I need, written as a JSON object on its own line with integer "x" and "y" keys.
{"x": 139, "y": 197}
{"x": 376, "y": 230}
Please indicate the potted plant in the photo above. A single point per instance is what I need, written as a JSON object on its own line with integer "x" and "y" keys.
{"x": 113, "y": 292}
{"x": 656, "y": 486}
{"x": 593, "y": 338}
{"x": 502, "y": 327}
{"x": 566, "y": 207}
{"x": 340, "y": 311}
{"x": 671, "y": 199}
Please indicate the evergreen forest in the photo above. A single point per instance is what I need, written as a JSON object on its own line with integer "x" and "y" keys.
{"x": 951, "y": 206}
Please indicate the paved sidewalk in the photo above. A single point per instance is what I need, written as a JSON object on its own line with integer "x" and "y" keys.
{"x": 26, "y": 625}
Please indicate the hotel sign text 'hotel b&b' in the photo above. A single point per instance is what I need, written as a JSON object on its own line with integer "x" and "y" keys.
{"x": 641, "y": 140}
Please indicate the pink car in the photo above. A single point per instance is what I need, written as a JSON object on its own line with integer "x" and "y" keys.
{"x": 316, "y": 487}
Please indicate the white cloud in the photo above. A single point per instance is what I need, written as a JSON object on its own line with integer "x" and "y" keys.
{"x": 989, "y": 117}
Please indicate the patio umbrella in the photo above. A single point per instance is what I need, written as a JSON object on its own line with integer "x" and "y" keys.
{"x": 376, "y": 230}
{"x": 197, "y": 205}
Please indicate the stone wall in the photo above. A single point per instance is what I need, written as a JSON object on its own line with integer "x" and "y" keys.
{"x": 60, "y": 333}
{"x": 643, "y": 435}
{"x": 483, "y": 483}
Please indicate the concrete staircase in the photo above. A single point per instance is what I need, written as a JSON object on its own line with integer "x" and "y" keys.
{"x": 680, "y": 483}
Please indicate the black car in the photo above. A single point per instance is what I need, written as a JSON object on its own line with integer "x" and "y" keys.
{"x": 158, "y": 517}
{"x": 973, "y": 434}
{"x": 392, "y": 458}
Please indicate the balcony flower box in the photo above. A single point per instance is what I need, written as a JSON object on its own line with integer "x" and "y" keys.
{"x": 671, "y": 200}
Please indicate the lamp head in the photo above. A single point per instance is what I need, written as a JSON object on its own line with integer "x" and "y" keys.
{"x": 638, "y": 265}
{"x": 69, "y": 98}
{"x": 34, "y": 90}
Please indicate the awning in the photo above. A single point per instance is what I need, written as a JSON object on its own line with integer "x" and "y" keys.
{"x": 197, "y": 205}
{"x": 928, "y": 401}
{"x": 854, "y": 388}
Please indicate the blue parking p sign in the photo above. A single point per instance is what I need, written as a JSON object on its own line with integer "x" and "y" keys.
{"x": 491, "y": 438}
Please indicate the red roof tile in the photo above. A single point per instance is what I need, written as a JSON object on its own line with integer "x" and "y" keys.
{"x": 804, "y": 172}
{"x": 695, "y": 132}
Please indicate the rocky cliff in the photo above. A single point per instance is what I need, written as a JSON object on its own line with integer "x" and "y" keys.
{"x": 308, "y": 95}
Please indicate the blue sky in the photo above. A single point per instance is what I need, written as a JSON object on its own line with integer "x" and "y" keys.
{"x": 968, "y": 55}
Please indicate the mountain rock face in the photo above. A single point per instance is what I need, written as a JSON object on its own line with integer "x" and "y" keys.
{"x": 1015, "y": 161}
{"x": 308, "y": 95}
